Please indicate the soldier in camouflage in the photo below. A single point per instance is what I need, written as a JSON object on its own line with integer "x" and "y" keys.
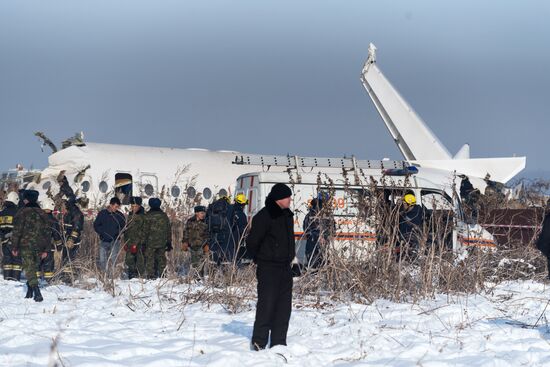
{"x": 11, "y": 265}
{"x": 195, "y": 240}
{"x": 134, "y": 246}
{"x": 158, "y": 239}
{"x": 31, "y": 237}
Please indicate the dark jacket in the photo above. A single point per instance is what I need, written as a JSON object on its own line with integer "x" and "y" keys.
{"x": 72, "y": 224}
{"x": 109, "y": 225}
{"x": 271, "y": 237}
{"x": 31, "y": 228}
{"x": 412, "y": 220}
{"x": 543, "y": 242}
{"x": 134, "y": 234}
{"x": 7, "y": 216}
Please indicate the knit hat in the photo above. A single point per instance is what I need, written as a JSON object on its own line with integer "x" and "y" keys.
{"x": 154, "y": 203}
{"x": 30, "y": 195}
{"x": 200, "y": 208}
{"x": 280, "y": 191}
{"x": 136, "y": 200}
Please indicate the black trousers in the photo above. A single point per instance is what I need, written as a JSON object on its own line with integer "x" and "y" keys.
{"x": 274, "y": 304}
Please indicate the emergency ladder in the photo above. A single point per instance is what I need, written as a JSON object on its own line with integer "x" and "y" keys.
{"x": 296, "y": 162}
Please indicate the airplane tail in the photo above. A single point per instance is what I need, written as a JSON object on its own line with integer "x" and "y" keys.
{"x": 416, "y": 140}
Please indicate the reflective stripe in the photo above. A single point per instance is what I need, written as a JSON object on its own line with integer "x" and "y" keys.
{"x": 6, "y": 219}
{"x": 7, "y": 267}
{"x": 16, "y": 267}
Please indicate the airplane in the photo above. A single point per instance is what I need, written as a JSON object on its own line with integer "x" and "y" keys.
{"x": 99, "y": 171}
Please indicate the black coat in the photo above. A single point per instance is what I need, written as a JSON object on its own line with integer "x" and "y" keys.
{"x": 271, "y": 237}
{"x": 543, "y": 242}
{"x": 109, "y": 225}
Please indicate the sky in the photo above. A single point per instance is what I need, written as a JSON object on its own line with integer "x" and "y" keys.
{"x": 273, "y": 77}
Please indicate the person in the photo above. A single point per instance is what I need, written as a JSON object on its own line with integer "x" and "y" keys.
{"x": 219, "y": 230}
{"x": 109, "y": 224}
{"x": 470, "y": 197}
{"x": 31, "y": 237}
{"x": 11, "y": 265}
{"x": 195, "y": 240}
{"x": 46, "y": 267}
{"x": 272, "y": 247}
{"x": 71, "y": 225}
{"x": 543, "y": 241}
{"x": 135, "y": 249}
{"x": 319, "y": 228}
{"x": 411, "y": 221}
{"x": 238, "y": 222}
{"x": 158, "y": 239}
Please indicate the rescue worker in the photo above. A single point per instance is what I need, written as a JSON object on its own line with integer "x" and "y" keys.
{"x": 158, "y": 239}
{"x": 46, "y": 267}
{"x": 238, "y": 222}
{"x": 71, "y": 225}
{"x": 133, "y": 236}
{"x": 470, "y": 197}
{"x": 219, "y": 230}
{"x": 109, "y": 224}
{"x": 319, "y": 228}
{"x": 31, "y": 237}
{"x": 11, "y": 264}
{"x": 411, "y": 221}
{"x": 195, "y": 240}
{"x": 272, "y": 246}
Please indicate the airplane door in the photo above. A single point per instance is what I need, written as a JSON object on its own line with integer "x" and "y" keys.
{"x": 149, "y": 185}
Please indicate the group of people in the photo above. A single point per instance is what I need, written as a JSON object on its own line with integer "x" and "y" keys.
{"x": 38, "y": 239}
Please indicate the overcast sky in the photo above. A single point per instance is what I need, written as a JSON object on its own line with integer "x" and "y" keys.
{"x": 273, "y": 76}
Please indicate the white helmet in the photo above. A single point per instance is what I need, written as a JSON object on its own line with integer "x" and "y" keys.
{"x": 13, "y": 197}
{"x": 47, "y": 204}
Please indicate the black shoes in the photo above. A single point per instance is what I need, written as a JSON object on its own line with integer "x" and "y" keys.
{"x": 34, "y": 292}
{"x": 29, "y": 291}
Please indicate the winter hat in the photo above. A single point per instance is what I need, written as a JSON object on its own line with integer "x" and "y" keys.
{"x": 47, "y": 204}
{"x": 200, "y": 208}
{"x": 280, "y": 191}
{"x": 136, "y": 200}
{"x": 154, "y": 203}
{"x": 30, "y": 195}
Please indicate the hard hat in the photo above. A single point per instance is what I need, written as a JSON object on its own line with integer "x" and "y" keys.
{"x": 241, "y": 199}
{"x": 47, "y": 204}
{"x": 409, "y": 199}
{"x": 13, "y": 197}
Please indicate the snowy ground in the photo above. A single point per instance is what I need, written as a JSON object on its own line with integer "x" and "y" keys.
{"x": 148, "y": 325}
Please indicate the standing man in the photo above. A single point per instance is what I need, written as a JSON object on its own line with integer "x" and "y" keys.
{"x": 411, "y": 222}
{"x": 47, "y": 265}
{"x": 11, "y": 265}
{"x": 543, "y": 242}
{"x": 239, "y": 221}
{"x": 109, "y": 224}
{"x": 158, "y": 239}
{"x": 71, "y": 226}
{"x": 31, "y": 236}
{"x": 271, "y": 244}
{"x": 319, "y": 229}
{"x": 219, "y": 230}
{"x": 195, "y": 239}
{"x": 133, "y": 236}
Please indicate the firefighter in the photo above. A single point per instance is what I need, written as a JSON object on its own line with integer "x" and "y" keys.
{"x": 219, "y": 230}
{"x": 11, "y": 265}
{"x": 46, "y": 267}
{"x": 411, "y": 222}
{"x": 319, "y": 228}
{"x": 133, "y": 236}
{"x": 158, "y": 239}
{"x": 31, "y": 237}
{"x": 195, "y": 240}
{"x": 71, "y": 224}
{"x": 238, "y": 221}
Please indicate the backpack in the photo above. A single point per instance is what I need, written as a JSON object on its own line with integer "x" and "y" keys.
{"x": 216, "y": 216}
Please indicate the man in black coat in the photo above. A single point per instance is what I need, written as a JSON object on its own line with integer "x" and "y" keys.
{"x": 109, "y": 224}
{"x": 271, "y": 245}
{"x": 543, "y": 242}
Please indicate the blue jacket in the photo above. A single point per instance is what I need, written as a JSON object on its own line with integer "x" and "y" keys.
{"x": 109, "y": 225}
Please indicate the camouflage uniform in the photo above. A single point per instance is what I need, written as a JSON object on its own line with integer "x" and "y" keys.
{"x": 11, "y": 265}
{"x": 158, "y": 237}
{"x": 134, "y": 237}
{"x": 31, "y": 236}
{"x": 195, "y": 234}
{"x": 46, "y": 266}
{"x": 70, "y": 230}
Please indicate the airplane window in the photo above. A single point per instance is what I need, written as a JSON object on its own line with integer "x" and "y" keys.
{"x": 85, "y": 186}
{"x": 46, "y": 185}
{"x": 175, "y": 191}
{"x": 103, "y": 187}
{"x": 191, "y": 192}
{"x": 223, "y": 192}
{"x": 149, "y": 190}
{"x": 207, "y": 193}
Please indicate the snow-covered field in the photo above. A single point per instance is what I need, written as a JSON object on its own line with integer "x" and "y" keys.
{"x": 148, "y": 324}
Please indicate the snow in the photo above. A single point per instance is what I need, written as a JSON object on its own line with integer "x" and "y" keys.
{"x": 152, "y": 323}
